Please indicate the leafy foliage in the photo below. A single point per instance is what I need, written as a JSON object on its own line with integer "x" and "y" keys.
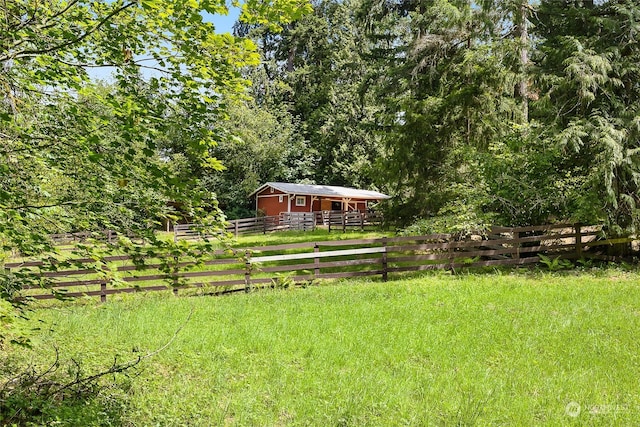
{"x": 55, "y": 171}
{"x": 556, "y": 263}
{"x": 264, "y": 145}
{"x": 77, "y": 154}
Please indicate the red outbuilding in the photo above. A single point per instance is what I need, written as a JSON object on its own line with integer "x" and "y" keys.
{"x": 274, "y": 198}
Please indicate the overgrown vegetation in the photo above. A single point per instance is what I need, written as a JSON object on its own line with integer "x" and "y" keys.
{"x": 33, "y": 395}
{"x": 514, "y": 348}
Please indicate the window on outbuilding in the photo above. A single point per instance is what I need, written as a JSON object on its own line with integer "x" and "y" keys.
{"x": 301, "y": 201}
{"x": 280, "y": 199}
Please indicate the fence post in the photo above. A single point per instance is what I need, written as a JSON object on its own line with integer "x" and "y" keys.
{"x": 344, "y": 222}
{"x": 175, "y": 275}
{"x": 516, "y": 236}
{"x": 175, "y": 233}
{"x": 384, "y": 260}
{"x": 235, "y": 221}
{"x": 329, "y": 221}
{"x": 264, "y": 225}
{"x": 450, "y": 256}
{"x": 361, "y": 221}
{"x": 103, "y": 291}
{"x": 316, "y": 261}
{"x": 247, "y": 271}
{"x": 578, "y": 227}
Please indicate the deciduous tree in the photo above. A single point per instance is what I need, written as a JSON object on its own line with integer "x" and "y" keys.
{"x": 76, "y": 154}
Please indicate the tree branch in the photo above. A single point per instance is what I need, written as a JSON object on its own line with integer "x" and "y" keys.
{"x": 114, "y": 65}
{"x": 121, "y": 367}
{"x": 51, "y": 205}
{"x": 28, "y": 53}
{"x": 61, "y": 12}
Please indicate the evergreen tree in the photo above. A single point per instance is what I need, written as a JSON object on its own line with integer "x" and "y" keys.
{"x": 448, "y": 78}
{"x": 316, "y": 69}
{"x": 588, "y": 69}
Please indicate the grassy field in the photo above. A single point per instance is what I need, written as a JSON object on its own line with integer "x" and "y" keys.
{"x": 510, "y": 349}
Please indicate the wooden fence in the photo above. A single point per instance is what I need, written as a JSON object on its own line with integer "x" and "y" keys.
{"x": 61, "y": 239}
{"x": 238, "y": 227}
{"x": 300, "y": 221}
{"x": 304, "y": 221}
{"x": 353, "y": 220}
{"x": 242, "y": 269}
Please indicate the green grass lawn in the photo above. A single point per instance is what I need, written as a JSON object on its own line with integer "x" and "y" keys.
{"x": 511, "y": 349}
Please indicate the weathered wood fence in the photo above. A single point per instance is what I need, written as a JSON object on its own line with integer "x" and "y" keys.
{"x": 352, "y": 220}
{"x": 237, "y": 227}
{"x": 68, "y": 241}
{"x": 243, "y": 269}
{"x": 59, "y": 239}
{"x": 304, "y": 221}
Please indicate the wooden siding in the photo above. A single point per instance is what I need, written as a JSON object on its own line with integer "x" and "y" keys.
{"x": 267, "y": 202}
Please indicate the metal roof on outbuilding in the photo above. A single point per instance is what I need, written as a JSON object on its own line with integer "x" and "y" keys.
{"x": 323, "y": 191}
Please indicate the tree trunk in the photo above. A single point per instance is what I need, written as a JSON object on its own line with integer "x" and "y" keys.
{"x": 522, "y": 29}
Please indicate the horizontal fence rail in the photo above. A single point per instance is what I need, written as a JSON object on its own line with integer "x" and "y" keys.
{"x": 353, "y": 220}
{"x": 70, "y": 241}
{"x": 237, "y": 227}
{"x": 303, "y": 221}
{"x": 242, "y": 269}
{"x": 64, "y": 239}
